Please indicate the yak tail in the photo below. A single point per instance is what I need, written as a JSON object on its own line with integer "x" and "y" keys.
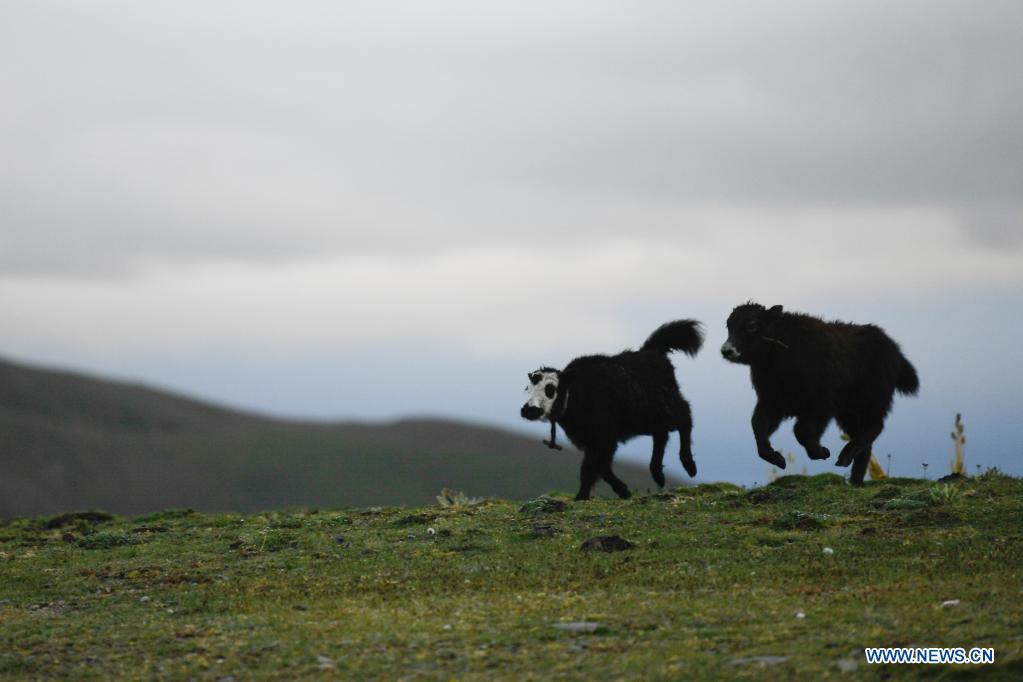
{"x": 907, "y": 383}
{"x": 683, "y": 335}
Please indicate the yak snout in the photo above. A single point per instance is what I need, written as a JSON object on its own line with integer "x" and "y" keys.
{"x": 730, "y": 352}
{"x": 531, "y": 412}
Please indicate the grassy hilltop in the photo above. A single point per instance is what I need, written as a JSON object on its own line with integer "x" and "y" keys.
{"x": 719, "y": 578}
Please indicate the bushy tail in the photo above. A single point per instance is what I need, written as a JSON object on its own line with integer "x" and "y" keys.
{"x": 907, "y": 383}
{"x": 683, "y": 335}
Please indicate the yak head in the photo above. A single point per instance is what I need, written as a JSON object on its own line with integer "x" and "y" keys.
{"x": 543, "y": 391}
{"x": 747, "y": 330}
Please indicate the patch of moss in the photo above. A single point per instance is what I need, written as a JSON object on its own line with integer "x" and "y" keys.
{"x": 105, "y": 540}
{"x": 414, "y": 519}
{"x": 801, "y": 520}
{"x": 888, "y": 492}
{"x": 86, "y": 518}
{"x": 543, "y": 505}
{"x": 906, "y": 504}
{"x": 931, "y": 517}
{"x": 266, "y": 540}
{"x": 165, "y": 515}
{"x": 808, "y": 482}
{"x": 769, "y": 494}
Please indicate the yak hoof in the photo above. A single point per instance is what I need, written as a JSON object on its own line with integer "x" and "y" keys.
{"x": 658, "y": 477}
{"x": 690, "y": 466}
{"x": 774, "y": 457}
{"x": 821, "y": 453}
{"x": 582, "y": 497}
{"x": 846, "y": 457}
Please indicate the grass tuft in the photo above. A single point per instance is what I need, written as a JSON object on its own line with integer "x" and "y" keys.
{"x": 105, "y": 540}
{"x": 543, "y": 505}
{"x": 801, "y": 520}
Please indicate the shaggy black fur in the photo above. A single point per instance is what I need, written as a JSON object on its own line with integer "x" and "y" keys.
{"x": 817, "y": 371}
{"x": 606, "y": 400}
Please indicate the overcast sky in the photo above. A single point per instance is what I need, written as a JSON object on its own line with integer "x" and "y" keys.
{"x": 373, "y": 209}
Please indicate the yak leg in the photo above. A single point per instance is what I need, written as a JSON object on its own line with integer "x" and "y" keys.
{"x": 858, "y": 450}
{"x": 861, "y": 436}
{"x": 595, "y": 458}
{"x": 616, "y": 483}
{"x": 808, "y": 430}
{"x": 684, "y": 420}
{"x": 860, "y": 464}
{"x": 765, "y": 422}
{"x": 657, "y": 458}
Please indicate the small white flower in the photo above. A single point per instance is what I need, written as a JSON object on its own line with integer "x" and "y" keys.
{"x": 800, "y": 615}
{"x": 828, "y": 551}
{"x": 431, "y": 531}
{"x": 951, "y": 602}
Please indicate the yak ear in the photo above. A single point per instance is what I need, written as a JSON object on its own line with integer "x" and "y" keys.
{"x": 774, "y": 311}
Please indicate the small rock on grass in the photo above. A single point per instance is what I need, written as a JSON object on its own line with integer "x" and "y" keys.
{"x": 606, "y": 543}
{"x": 762, "y": 661}
{"x": 847, "y": 665}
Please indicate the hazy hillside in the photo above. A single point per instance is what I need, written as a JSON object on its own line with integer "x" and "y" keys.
{"x": 69, "y": 441}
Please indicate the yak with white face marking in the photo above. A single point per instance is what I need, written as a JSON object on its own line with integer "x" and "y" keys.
{"x": 542, "y": 389}
{"x": 601, "y": 401}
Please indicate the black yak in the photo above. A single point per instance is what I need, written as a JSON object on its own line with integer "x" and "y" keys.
{"x": 816, "y": 371}
{"x": 601, "y": 401}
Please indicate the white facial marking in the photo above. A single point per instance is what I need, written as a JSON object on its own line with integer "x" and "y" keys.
{"x": 543, "y": 393}
{"x": 729, "y": 350}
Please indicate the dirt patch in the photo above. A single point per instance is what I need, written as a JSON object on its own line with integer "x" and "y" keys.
{"x": 78, "y": 518}
{"x": 607, "y": 543}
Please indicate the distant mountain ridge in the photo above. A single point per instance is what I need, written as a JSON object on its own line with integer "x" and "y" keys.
{"x": 70, "y": 441}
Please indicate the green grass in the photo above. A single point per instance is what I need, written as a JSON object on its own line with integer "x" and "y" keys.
{"x": 718, "y": 574}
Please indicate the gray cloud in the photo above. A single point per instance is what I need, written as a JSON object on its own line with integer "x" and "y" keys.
{"x": 189, "y": 131}
{"x": 995, "y": 227}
